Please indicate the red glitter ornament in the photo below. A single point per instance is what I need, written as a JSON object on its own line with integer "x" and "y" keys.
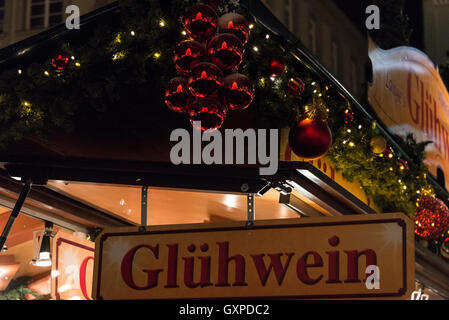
{"x": 206, "y": 79}
{"x": 431, "y": 218}
{"x": 177, "y": 95}
{"x": 210, "y": 111}
{"x": 310, "y": 139}
{"x": 239, "y": 91}
{"x": 236, "y": 24}
{"x": 226, "y": 51}
{"x": 60, "y": 61}
{"x": 187, "y": 54}
{"x": 201, "y": 22}
{"x": 277, "y": 67}
{"x": 295, "y": 87}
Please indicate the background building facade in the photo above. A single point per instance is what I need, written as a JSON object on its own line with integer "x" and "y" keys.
{"x": 436, "y": 29}
{"x": 20, "y": 19}
{"x": 330, "y": 36}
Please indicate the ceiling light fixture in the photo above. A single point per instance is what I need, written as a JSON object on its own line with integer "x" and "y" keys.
{"x": 42, "y": 240}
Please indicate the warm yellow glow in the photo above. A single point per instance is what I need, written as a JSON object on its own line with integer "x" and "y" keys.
{"x": 118, "y": 55}
{"x": 77, "y": 64}
{"x": 256, "y": 49}
{"x": 390, "y": 155}
{"x": 162, "y": 23}
{"x": 251, "y": 26}
{"x": 157, "y": 55}
{"x": 47, "y": 73}
{"x": 351, "y": 144}
{"x": 184, "y": 33}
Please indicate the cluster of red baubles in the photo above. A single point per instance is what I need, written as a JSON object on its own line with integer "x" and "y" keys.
{"x": 432, "y": 218}
{"x": 208, "y": 85}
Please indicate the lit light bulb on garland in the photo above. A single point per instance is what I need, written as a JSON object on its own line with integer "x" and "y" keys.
{"x": 388, "y": 153}
{"x": 402, "y": 164}
{"x": 431, "y": 218}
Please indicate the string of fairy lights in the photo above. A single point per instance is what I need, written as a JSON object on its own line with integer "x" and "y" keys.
{"x": 356, "y": 142}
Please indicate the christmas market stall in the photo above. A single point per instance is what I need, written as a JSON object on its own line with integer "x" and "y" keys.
{"x": 104, "y": 138}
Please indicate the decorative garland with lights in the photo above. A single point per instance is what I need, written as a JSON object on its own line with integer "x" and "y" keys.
{"x": 108, "y": 78}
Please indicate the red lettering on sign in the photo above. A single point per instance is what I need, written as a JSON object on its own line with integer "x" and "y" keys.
{"x": 83, "y": 268}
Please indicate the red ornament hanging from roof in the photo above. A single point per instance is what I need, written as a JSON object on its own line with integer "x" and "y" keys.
{"x": 201, "y": 22}
{"x": 226, "y": 51}
{"x": 236, "y": 24}
{"x": 239, "y": 91}
{"x": 187, "y": 54}
{"x": 60, "y": 61}
{"x": 210, "y": 96}
{"x": 276, "y": 68}
{"x": 205, "y": 79}
{"x": 295, "y": 87}
{"x": 210, "y": 112}
{"x": 177, "y": 95}
{"x": 431, "y": 218}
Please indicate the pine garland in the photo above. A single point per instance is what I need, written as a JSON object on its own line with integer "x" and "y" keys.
{"x": 115, "y": 84}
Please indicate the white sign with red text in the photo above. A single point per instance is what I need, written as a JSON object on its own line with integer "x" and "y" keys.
{"x": 72, "y": 267}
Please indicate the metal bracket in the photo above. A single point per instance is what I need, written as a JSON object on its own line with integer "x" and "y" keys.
{"x": 15, "y": 212}
{"x": 144, "y": 207}
{"x": 250, "y": 210}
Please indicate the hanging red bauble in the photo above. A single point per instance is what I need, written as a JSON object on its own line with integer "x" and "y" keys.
{"x": 60, "y": 61}
{"x": 177, "y": 94}
{"x": 211, "y": 111}
{"x": 201, "y": 22}
{"x": 310, "y": 139}
{"x": 206, "y": 78}
{"x": 187, "y": 54}
{"x": 349, "y": 116}
{"x": 277, "y": 67}
{"x": 226, "y": 51}
{"x": 236, "y": 24}
{"x": 239, "y": 91}
{"x": 431, "y": 218}
{"x": 295, "y": 87}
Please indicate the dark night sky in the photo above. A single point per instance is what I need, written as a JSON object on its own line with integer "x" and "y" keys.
{"x": 355, "y": 10}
